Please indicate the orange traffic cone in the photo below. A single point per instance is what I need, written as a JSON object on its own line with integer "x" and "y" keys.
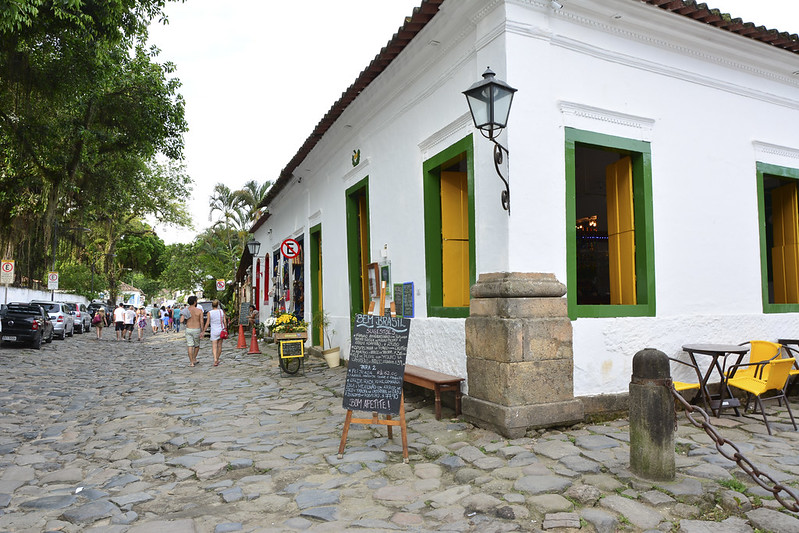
{"x": 254, "y": 343}
{"x": 242, "y": 341}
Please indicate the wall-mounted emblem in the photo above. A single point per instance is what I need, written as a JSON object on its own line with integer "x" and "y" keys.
{"x": 356, "y": 157}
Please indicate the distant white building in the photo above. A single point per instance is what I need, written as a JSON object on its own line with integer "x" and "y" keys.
{"x": 130, "y": 295}
{"x": 676, "y": 122}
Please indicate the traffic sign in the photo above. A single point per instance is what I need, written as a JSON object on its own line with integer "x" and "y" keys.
{"x": 220, "y": 284}
{"x": 52, "y": 281}
{"x": 7, "y": 272}
{"x": 290, "y": 248}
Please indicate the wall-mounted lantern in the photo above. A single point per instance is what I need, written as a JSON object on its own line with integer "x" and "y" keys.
{"x": 489, "y": 102}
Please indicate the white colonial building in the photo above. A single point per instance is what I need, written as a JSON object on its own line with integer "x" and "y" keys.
{"x": 654, "y": 156}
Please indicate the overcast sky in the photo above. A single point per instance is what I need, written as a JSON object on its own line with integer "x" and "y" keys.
{"x": 258, "y": 75}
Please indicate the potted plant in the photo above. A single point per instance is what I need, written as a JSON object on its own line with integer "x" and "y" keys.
{"x": 287, "y": 326}
{"x": 332, "y": 354}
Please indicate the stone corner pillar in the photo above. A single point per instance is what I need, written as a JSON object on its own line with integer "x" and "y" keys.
{"x": 519, "y": 359}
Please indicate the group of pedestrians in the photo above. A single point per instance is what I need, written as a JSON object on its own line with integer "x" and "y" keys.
{"x": 128, "y": 319}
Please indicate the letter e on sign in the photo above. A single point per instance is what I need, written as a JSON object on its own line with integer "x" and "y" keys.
{"x": 290, "y": 248}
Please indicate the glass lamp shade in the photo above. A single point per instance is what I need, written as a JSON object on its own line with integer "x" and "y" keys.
{"x": 253, "y": 247}
{"x": 489, "y": 102}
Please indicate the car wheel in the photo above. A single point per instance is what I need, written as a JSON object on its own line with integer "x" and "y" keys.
{"x": 50, "y": 338}
{"x": 36, "y": 344}
{"x": 79, "y": 330}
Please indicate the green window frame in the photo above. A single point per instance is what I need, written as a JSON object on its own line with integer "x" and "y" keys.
{"x": 764, "y": 171}
{"x": 431, "y": 175}
{"x": 640, "y": 153}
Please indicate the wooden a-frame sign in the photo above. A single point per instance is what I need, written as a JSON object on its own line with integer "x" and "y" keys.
{"x": 375, "y": 373}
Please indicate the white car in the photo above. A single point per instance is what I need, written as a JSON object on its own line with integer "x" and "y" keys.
{"x": 61, "y": 317}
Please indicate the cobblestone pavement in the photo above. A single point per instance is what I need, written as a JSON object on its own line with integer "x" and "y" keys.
{"x": 111, "y": 436}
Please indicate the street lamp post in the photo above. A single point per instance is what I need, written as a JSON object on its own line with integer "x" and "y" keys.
{"x": 489, "y": 103}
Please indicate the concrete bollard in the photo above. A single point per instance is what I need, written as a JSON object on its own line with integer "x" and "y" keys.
{"x": 651, "y": 417}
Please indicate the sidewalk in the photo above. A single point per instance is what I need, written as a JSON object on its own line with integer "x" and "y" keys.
{"x": 120, "y": 437}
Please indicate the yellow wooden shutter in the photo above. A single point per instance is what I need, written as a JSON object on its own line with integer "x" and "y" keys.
{"x": 785, "y": 253}
{"x": 454, "y": 239}
{"x": 621, "y": 232}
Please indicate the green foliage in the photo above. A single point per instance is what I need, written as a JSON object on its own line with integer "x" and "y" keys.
{"x": 733, "y": 484}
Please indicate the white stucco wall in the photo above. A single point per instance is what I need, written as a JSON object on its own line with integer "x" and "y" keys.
{"x": 711, "y": 104}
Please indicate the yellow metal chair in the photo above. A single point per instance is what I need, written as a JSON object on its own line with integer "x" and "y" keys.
{"x": 759, "y": 351}
{"x": 681, "y": 386}
{"x": 791, "y": 352}
{"x": 760, "y": 383}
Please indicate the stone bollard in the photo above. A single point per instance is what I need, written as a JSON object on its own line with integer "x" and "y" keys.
{"x": 651, "y": 417}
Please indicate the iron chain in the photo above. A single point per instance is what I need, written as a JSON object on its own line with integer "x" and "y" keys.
{"x": 763, "y": 479}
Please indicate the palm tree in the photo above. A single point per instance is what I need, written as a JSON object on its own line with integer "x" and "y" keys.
{"x": 251, "y": 196}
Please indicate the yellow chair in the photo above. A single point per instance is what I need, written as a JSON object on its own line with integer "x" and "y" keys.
{"x": 759, "y": 351}
{"x": 759, "y": 384}
{"x": 681, "y": 386}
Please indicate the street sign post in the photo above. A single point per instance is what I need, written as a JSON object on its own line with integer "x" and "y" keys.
{"x": 7, "y": 274}
{"x": 220, "y": 284}
{"x": 52, "y": 281}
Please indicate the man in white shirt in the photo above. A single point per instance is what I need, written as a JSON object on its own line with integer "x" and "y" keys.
{"x": 119, "y": 320}
{"x": 130, "y": 320}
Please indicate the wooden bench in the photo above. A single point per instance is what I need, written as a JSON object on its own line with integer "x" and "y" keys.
{"x": 437, "y": 382}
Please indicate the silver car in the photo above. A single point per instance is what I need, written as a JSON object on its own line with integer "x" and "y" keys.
{"x": 61, "y": 317}
{"x": 82, "y": 317}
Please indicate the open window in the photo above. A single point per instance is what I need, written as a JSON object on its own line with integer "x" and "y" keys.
{"x": 609, "y": 226}
{"x": 779, "y": 237}
{"x": 449, "y": 229}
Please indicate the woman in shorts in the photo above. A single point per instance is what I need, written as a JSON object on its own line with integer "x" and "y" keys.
{"x": 98, "y": 327}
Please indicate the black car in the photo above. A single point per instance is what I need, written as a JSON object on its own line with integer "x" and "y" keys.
{"x": 28, "y": 323}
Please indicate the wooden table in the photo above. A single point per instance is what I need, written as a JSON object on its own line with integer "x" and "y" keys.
{"x": 715, "y": 403}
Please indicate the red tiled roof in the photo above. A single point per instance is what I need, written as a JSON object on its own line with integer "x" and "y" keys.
{"x": 714, "y": 17}
{"x": 425, "y": 12}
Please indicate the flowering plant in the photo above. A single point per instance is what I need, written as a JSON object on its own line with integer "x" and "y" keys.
{"x": 288, "y": 323}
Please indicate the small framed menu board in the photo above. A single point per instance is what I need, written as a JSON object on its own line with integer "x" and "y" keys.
{"x": 403, "y": 299}
{"x": 377, "y": 364}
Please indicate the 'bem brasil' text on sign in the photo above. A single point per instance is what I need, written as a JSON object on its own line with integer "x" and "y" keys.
{"x": 377, "y": 364}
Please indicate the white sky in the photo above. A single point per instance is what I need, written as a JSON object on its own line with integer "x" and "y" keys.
{"x": 258, "y": 75}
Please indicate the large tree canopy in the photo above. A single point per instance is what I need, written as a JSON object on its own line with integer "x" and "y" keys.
{"x": 91, "y": 128}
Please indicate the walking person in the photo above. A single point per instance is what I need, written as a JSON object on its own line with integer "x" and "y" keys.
{"x": 153, "y": 313}
{"x": 194, "y": 322}
{"x": 215, "y": 319}
{"x": 98, "y": 326}
{"x": 130, "y": 321}
{"x": 176, "y": 318}
{"x": 141, "y": 322}
{"x": 119, "y": 321}
{"x": 164, "y": 320}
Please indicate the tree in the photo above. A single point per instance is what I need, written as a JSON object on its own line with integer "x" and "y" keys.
{"x": 84, "y": 110}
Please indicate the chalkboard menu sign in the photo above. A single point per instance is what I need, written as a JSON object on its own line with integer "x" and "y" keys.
{"x": 290, "y": 349}
{"x": 377, "y": 364}
{"x": 407, "y": 299}
{"x": 244, "y": 313}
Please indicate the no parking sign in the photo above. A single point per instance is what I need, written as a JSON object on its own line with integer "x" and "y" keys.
{"x": 52, "y": 281}
{"x": 7, "y": 272}
{"x": 220, "y": 284}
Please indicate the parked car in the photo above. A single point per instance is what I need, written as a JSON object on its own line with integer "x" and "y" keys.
{"x": 28, "y": 323}
{"x": 60, "y": 316}
{"x": 96, "y": 306}
{"x": 83, "y": 320}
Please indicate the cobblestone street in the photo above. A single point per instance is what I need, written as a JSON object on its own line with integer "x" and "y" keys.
{"x": 114, "y": 436}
